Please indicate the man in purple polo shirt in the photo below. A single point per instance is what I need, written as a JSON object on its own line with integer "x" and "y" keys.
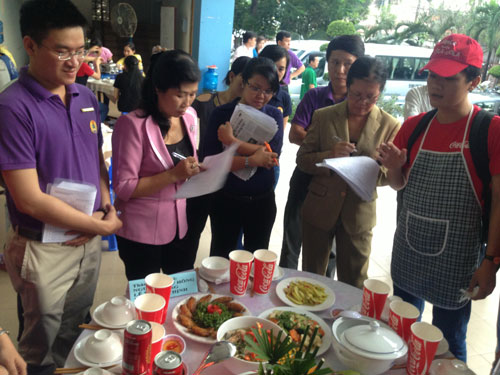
{"x": 49, "y": 129}
{"x": 283, "y": 39}
{"x": 342, "y": 51}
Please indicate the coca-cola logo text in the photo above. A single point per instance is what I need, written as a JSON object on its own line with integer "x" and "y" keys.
{"x": 241, "y": 272}
{"x": 266, "y": 277}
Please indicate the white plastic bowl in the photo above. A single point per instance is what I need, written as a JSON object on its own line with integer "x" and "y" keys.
{"x": 118, "y": 311}
{"x": 104, "y": 346}
{"x": 236, "y": 365}
{"x": 215, "y": 267}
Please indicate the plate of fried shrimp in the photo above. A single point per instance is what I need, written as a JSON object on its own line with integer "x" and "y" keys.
{"x": 199, "y": 316}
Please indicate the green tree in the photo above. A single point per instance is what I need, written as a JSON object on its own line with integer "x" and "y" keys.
{"x": 340, "y": 27}
{"x": 484, "y": 28}
{"x": 495, "y": 71}
{"x": 303, "y": 18}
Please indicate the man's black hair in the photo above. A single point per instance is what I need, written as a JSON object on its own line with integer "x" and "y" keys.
{"x": 312, "y": 56}
{"x": 282, "y": 35}
{"x": 349, "y": 43}
{"x": 39, "y": 17}
{"x": 248, "y": 35}
{"x": 471, "y": 72}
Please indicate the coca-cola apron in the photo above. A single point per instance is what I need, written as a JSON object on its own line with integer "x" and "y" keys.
{"x": 437, "y": 241}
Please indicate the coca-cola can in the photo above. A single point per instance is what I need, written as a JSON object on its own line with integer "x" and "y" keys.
{"x": 137, "y": 348}
{"x": 168, "y": 363}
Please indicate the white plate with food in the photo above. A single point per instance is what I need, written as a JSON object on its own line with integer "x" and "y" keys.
{"x": 305, "y": 293}
{"x": 278, "y": 273}
{"x": 199, "y": 332}
{"x": 80, "y": 355}
{"x": 293, "y": 318}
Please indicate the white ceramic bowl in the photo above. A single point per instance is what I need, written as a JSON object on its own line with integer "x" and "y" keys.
{"x": 215, "y": 266}
{"x": 118, "y": 311}
{"x": 104, "y": 346}
{"x": 367, "y": 363}
{"x": 236, "y": 365}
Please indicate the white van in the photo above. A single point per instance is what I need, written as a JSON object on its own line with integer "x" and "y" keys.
{"x": 403, "y": 65}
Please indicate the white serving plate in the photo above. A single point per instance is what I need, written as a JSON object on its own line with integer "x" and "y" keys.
{"x": 326, "y": 339}
{"x": 330, "y": 299}
{"x": 185, "y": 332}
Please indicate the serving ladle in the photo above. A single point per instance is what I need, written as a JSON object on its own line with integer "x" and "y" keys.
{"x": 220, "y": 351}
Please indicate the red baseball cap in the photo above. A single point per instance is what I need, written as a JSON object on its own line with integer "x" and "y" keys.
{"x": 453, "y": 54}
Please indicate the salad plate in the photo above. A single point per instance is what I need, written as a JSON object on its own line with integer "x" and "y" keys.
{"x": 282, "y": 292}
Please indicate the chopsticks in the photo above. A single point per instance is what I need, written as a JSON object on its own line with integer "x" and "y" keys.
{"x": 74, "y": 370}
{"x": 93, "y": 327}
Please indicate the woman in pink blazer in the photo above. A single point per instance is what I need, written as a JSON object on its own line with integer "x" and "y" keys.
{"x": 154, "y": 152}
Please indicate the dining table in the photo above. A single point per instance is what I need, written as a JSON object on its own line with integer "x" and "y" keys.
{"x": 346, "y": 296}
{"x": 104, "y": 85}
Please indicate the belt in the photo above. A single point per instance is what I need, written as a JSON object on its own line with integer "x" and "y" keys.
{"x": 30, "y": 234}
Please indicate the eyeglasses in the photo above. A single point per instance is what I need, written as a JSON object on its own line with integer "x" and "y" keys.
{"x": 257, "y": 90}
{"x": 360, "y": 98}
{"x": 65, "y": 56}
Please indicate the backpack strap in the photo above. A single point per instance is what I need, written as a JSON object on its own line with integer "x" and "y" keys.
{"x": 419, "y": 129}
{"x": 478, "y": 143}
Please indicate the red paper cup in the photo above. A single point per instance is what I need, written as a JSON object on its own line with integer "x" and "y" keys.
{"x": 150, "y": 307}
{"x": 401, "y": 316}
{"x": 375, "y": 293}
{"x": 240, "y": 263}
{"x": 160, "y": 283}
{"x": 424, "y": 340}
{"x": 156, "y": 341}
{"x": 263, "y": 271}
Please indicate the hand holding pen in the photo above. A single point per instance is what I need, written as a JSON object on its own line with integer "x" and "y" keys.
{"x": 342, "y": 148}
{"x": 186, "y": 168}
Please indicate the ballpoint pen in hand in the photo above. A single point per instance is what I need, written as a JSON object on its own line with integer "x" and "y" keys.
{"x": 336, "y": 138}
{"x": 270, "y": 150}
{"x": 178, "y": 156}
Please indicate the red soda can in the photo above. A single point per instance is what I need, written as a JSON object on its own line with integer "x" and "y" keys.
{"x": 168, "y": 363}
{"x": 137, "y": 348}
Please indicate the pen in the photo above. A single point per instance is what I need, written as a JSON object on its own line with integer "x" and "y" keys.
{"x": 178, "y": 156}
{"x": 270, "y": 150}
{"x": 338, "y": 139}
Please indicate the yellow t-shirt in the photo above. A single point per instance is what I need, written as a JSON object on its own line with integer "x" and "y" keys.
{"x": 121, "y": 62}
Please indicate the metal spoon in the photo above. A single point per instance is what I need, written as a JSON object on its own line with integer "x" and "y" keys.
{"x": 220, "y": 351}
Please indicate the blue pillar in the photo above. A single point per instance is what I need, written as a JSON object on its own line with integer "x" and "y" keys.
{"x": 212, "y": 32}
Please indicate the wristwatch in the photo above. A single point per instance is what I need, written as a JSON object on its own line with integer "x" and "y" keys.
{"x": 491, "y": 258}
{"x": 3, "y": 331}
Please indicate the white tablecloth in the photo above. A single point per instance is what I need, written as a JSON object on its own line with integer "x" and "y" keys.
{"x": 346, "y": 297}
{"x": 101, "y": 85}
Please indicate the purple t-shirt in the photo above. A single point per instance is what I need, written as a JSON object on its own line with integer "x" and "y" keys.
{"x": 314, "y": 99}
{"x": 294, "y": 63}
{"x": 38, "y": 131}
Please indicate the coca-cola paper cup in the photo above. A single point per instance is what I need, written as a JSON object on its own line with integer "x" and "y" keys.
{"x": 157, "y": 338}
{"x": 150, "y": 307}
{"x": 424, "y": 340}
{"x": 240, "y": 264}
{"x": 375, "y": 293}
{"x": 264, "y": 264}
{"x": 401, "y": 316}
{"x": 160, "y": 283}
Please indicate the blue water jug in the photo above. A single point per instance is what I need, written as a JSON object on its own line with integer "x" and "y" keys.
{"x": 210, "y": 78}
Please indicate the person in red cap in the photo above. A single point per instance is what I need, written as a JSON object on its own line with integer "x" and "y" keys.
{"x": 437, "y": 246}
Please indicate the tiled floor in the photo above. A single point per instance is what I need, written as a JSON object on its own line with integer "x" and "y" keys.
{"x": 481, "y": 337}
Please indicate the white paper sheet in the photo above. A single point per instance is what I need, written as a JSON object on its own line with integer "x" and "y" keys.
{"x": 252, "y": 126}
{"x": 360, "y": 173}
{"x": 79, "y": 196}
{"x": 212, "y": 178}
